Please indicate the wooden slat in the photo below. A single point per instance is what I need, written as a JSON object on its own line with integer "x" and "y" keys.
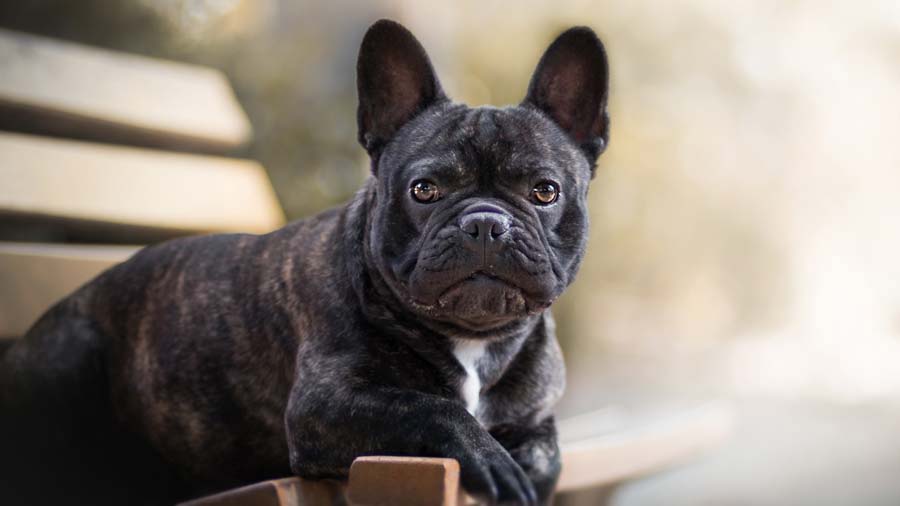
{"x": 283, "y": 492}
{"x": 36, "y": 276}
{"x": 67, "y": 89}
{"x": 589, "y": 461}
{"x": 134, "y": 187}
{"x": 377, "y": 481}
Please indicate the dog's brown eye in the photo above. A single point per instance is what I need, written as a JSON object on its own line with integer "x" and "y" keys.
{"x": 425, "y": 191}
{"x": 545, "y": 193}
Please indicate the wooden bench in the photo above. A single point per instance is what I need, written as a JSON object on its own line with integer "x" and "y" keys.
{"x": 77, "y": 172}
{"x": 591, "y": 460}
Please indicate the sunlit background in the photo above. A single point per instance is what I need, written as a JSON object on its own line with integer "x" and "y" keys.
{"x": 745, "y": 240}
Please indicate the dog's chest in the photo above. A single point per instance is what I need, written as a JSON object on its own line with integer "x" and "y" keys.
{"x": 469, "y": 353}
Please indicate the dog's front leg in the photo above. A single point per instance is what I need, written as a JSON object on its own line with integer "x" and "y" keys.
{"x": 536, "y": 450}
{"x": 328, "y": 426}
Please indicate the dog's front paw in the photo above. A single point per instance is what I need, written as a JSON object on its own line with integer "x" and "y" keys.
{"x": 491, "y": 475}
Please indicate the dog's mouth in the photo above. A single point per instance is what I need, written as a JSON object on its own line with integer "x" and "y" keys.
{"x": 482, "y": 302}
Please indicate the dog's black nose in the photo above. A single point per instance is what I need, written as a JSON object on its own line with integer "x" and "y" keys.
{"x": 485, "y": 223}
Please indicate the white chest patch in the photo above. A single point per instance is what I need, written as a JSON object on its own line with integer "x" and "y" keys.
{"x": 468, "y": 352}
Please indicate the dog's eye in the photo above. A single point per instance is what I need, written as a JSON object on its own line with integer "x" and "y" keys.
{"x": 545, "y": 193}
{"x": 425, "y": 191}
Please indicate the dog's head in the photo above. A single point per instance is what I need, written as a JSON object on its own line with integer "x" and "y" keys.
{"x": 480, "y": 213}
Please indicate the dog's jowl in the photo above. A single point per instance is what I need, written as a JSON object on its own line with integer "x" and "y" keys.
{"x": 414, "y": 320}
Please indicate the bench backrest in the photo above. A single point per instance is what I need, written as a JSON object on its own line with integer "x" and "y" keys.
{"x": 100, "y": 147}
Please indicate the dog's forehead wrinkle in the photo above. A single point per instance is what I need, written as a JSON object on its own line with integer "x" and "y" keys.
{"x": 444, "y": 163}
{"x": 533, "y": 142}
{"x": 483, "y": 142}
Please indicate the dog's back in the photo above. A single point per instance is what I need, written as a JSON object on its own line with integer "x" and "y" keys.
{"x": 121, "y": 393}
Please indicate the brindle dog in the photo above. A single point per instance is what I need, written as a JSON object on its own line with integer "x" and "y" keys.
{"x": 411, "y": 321}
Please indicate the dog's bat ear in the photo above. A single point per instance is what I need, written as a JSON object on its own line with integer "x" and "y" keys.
{"x": 395, "y": 82}
{"x": 571, "y": 85}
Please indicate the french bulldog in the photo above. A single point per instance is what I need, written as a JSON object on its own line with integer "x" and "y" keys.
{"x": 414, "y": 320}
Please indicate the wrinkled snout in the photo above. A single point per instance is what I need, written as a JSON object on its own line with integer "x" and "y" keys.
{"x": 484, "y": 267}
{"x": 484, "y": 227}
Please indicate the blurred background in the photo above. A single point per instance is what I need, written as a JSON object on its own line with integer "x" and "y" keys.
{"x": 745, "y": 240}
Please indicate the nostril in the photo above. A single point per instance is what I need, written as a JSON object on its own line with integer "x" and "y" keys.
{"x": 469, "y": 226}
{"x": 500, "y": 226}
